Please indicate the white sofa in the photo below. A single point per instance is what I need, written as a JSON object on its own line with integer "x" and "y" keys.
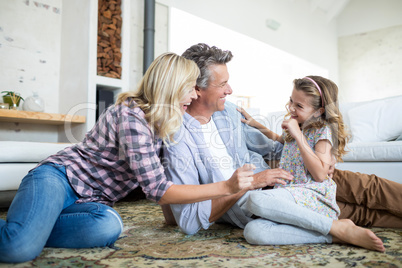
{"x": 16, "y": 159}
{"x": 376, "y": 144}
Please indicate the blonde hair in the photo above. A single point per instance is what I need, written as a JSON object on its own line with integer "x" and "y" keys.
{"x": 168, "y": 79}
{"x": 331, "y": 115}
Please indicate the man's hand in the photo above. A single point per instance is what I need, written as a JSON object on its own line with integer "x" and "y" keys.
{"x": 270, "y": 177}
{"x": 332, "y": 167}
{"x": 241, "y": 179}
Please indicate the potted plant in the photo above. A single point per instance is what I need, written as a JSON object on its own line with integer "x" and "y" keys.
{"x": 12, "y": 98}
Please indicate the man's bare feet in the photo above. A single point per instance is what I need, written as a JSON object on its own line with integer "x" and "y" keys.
{"x": 347, "y": 232}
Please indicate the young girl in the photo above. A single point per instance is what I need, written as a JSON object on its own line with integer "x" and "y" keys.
{"x": 305, "y": 210}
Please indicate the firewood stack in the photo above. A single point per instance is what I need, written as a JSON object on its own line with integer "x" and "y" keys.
{"x": 109, "y": 38}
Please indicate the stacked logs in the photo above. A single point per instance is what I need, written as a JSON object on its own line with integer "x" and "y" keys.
{"x": 109, "y": 38}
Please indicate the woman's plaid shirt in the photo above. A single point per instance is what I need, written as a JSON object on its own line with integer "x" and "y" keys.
{"x": 119, "y": 154}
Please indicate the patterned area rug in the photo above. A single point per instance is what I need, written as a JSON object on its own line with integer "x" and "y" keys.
{"x": 148, "y": 242}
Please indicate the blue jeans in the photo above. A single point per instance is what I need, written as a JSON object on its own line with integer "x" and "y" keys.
{"x": 283, "y": 221}
{"x": 44, "y": 213}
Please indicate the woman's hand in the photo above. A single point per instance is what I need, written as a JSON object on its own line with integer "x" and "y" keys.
{"x": 292, "y": 127}
{"x": 241, "y": 179}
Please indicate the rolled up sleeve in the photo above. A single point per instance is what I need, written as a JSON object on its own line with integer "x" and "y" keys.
{"x": 180, "y": 168}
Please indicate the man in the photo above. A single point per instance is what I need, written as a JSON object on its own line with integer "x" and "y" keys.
{"x": 213, "y": 142}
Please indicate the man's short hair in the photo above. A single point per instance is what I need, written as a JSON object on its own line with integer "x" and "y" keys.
{"x": 205, "y": 56}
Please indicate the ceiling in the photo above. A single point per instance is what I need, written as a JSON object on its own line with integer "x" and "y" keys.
{"x": 332, "y": 8}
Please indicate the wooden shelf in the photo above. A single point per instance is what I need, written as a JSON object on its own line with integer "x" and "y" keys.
{"x": 39, "y": 118}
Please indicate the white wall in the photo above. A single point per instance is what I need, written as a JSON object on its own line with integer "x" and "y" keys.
{"x": 30, "y": 48}
{"x": 361, "y": 16}
{"x": 258, "y": 71}
{"x": 370, "y": 64}
{"x": 136, "y": 42}
{"x": 137, "y": 37}
{"x": 370, "y": 51}
{"x": 74, "y": 68}
{"x": 303, "y": 33}
{"x": 46, "y": 46}
{"x": 30, "y": 41}
{"x": 30, "y": 59}
{"x": 308, "y": 35}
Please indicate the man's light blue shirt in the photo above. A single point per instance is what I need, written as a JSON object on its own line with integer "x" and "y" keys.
{"x": 189, "y": 162}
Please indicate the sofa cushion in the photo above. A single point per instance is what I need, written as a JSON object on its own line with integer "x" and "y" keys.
{"x": 374, "y": 151}
{"x": 379, "y": 120}
{"x": 345, "y": 107}
{"x": 12, "y": 174}
{"x": 30, "y": 152}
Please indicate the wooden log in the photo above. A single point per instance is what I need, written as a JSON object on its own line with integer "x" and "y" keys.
{"x": 109, "y": 38}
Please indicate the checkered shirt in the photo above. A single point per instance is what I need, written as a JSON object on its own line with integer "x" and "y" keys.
{"x": 119, "y": 154}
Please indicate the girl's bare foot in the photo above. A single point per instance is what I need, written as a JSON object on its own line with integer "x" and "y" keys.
{"x": 347, "y": 232}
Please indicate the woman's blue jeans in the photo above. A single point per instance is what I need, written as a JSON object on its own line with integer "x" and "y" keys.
{"x": 44, "y": 213}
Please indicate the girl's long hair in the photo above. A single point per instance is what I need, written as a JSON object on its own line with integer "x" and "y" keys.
{"x": 331, "y": 115}
{"x": 168, "y": 79}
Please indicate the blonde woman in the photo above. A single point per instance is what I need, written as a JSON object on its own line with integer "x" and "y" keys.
{"x": 66, "y": 200}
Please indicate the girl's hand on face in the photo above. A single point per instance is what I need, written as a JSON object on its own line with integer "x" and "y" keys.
{"x": 292, "y": 126}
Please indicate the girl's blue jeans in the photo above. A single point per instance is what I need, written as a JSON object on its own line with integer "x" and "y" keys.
{"x": 283, "y": 221}
{"x": 44, "y": 213}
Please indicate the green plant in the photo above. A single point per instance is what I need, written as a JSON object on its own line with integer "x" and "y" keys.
{"x": 12, "y": 98}
{"x": 12, "y": 93}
